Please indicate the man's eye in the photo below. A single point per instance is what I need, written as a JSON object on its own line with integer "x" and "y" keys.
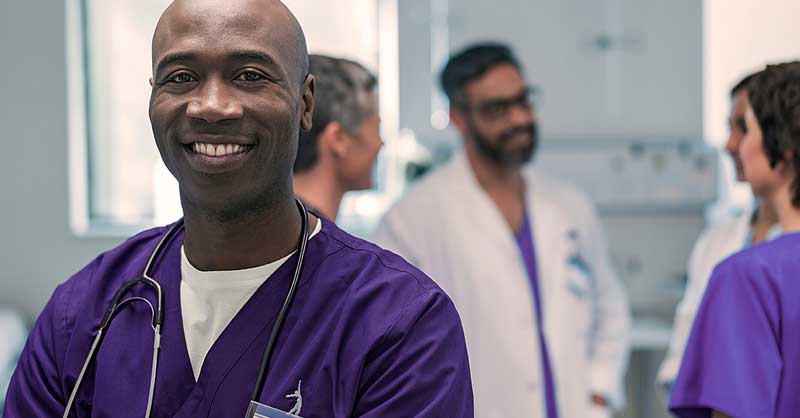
{"x": 250, "y": 76}
{"x": 181, "y": 78}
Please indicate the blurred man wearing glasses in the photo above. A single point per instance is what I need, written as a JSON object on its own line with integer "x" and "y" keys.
{"x": 522, "y": 255}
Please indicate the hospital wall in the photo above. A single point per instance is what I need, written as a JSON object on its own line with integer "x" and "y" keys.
{"x": 618, "y": 68}
{"x": 613, "y": 68}
{"x": 37, "y": 248}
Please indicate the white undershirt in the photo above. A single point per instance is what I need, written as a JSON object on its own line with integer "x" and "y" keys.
{"x": 210, "y": 300}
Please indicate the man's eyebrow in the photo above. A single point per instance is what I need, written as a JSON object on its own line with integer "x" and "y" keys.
{"x": 251, "y": 55}
{"x": 258, "y": 56}
{"x": 174, "y": 58}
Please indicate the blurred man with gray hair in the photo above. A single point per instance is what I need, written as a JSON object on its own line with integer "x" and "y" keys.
{"x": 338, "y": 153}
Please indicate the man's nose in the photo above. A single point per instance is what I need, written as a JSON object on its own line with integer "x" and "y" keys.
{"x": 215, "y": 102}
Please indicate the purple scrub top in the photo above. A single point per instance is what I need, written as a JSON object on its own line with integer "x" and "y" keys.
{"x": 528, "y": 251}
{"x": 368, "y": 335}
{"x": 743, "y": 355}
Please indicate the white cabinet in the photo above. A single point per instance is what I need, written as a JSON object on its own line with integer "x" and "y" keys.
{"x": 611, "y": 69}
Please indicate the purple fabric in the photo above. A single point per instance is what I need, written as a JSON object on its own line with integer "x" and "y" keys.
{"x": 743, "y": 355}
{"x": 368, "y": 335}
{"x": 528, "y": 251}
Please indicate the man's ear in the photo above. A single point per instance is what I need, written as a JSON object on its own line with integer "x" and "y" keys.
{"x": 334, "y": 139}
{"x": 458, "y": 120}
{"x": 786, "y": 165}
{"x": 308, "y": 89}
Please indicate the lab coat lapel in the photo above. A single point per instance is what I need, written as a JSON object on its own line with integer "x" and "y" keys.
{"x": 499, "y": 293}
{"x": 486, "y": 220}
{"x": 548, "y": 228}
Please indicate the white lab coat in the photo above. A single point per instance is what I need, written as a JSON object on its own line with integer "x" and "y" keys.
{"x": 449, "y": 227}
{"x": 715, "y": 244}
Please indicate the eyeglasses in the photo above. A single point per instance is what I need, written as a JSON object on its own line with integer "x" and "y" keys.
{"x": 500, "y": 108}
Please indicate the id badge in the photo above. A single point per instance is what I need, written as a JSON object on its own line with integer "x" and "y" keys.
{"x": 257, "y": 410}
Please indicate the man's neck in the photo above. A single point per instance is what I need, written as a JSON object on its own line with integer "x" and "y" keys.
{"x": 763, "y": 221}
{"x": 504, "y": 186}
{"x": 254, "y": 240}
{"x": 494, "y": 177}
{"x": 321, "y": 190}
{"x": 788, "y": 215}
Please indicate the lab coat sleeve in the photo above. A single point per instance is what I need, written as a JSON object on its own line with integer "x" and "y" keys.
{"x": 419, "y": 368}
{"x": 35, "y": 389}
{"x": 612, "y": 320}
{"x": 685, "y": 313}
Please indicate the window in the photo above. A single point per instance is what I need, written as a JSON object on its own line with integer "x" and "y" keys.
{"x": 119, "y": 183}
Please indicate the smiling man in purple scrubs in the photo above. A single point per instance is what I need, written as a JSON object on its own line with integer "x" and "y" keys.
{"x": 367, "y": 335}
{"x": 743, "y": 356}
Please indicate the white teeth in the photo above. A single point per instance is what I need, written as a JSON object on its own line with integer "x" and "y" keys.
{"x": 220, "y": 150}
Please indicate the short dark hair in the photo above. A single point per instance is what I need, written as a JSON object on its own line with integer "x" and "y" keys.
{"x": 342, "y": 90}
{"x": 743, "y": 84}
{"x": 470, "y": 64}
{"x": 775, "y": 99}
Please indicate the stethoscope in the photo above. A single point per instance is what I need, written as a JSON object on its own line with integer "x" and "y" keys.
{"x": 158, "y": 315}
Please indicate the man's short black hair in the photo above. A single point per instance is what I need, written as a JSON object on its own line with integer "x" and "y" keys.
{"x": 470, "y": 64}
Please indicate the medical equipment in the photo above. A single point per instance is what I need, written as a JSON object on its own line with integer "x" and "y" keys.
{"x": 158, "y": 315}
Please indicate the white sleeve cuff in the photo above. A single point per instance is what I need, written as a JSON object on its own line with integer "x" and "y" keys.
{"x": 608, "y": 384}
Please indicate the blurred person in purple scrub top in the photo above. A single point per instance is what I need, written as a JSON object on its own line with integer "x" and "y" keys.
{"x": 338, "y": 154}
{"x": 367, "y": 334}
{"x": 718, "y": 241}
{"x": 743, "y": 355}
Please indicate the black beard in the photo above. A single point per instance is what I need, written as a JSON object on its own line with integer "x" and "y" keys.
{"x": 494, "y": 150}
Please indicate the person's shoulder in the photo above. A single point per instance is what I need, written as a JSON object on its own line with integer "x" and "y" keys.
{"x": 559, "y": 191}
{"x": 769, "y": 264}
{"x": 431, "y": 187}
{"x": 369, "y": 264}
{"x": 101, "y": 277}
{"x": 121, "y": 259}
{"x": 774, "y": 252}
{"x": 136, "y": 248}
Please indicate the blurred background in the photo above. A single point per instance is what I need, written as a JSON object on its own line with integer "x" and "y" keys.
{"x": 635, "y": 91}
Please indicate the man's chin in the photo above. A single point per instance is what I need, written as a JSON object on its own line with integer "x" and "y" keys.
{"x": 521, "y": 158}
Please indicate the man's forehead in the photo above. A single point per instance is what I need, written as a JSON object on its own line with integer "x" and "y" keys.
{"x": 206, "y": 25}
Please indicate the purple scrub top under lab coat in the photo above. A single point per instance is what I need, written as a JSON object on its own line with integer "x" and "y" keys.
{"x": 743, "y": 355}
{"x": 528, "y": 251}
{"x": 368, "y": 335}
